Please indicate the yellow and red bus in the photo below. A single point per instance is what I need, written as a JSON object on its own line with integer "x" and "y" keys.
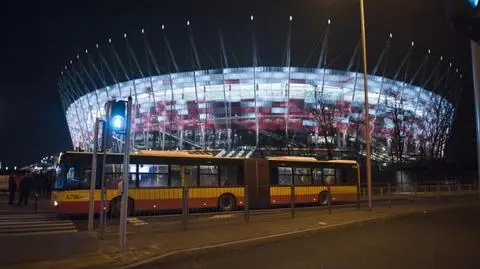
{"x": 157, "y": 179}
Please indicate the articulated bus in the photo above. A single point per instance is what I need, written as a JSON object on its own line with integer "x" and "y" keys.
{"x": 157, "y": 179}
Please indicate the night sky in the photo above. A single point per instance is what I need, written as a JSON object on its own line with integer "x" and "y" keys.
{"x": 38, "y": 37}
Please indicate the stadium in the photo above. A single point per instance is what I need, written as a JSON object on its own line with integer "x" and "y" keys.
{"x": 245, "y": 111}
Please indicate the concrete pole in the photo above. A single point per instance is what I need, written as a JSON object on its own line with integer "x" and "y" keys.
{"x": 91, "y": 209}
{"x": 368, "y": 154}
{"x": 476, "y": 83}
{"x": 126, "y": 171}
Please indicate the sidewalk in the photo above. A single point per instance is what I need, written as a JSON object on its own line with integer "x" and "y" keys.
{"x": 43, "y": 206}
{"x": 149, "y": 243}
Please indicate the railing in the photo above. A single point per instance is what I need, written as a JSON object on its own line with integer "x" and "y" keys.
{"x": 166, "y": 209}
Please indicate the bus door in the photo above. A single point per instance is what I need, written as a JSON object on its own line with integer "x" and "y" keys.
{"x": 257, "y": 178}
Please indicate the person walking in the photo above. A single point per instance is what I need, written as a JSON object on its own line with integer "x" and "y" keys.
{"x": 25, "y": 187}
{"x": 12, "y": 188}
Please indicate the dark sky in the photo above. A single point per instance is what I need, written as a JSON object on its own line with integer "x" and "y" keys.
{"x": 38, "y": 37}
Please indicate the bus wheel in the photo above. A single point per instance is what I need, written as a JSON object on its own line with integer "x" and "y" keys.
{"x": 116, "y": 206}
{"x": 227, "y": 202}
{"x": 323, "y": 198}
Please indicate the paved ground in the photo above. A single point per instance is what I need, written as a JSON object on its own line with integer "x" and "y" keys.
{"x": 163, "y": 235}
{"x": 442, "y": 239}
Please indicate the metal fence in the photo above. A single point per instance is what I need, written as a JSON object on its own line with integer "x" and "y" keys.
{"x": 190, "y": 208}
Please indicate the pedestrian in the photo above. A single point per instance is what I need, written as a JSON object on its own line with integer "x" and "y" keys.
{"x": 25, "y": 187}
{"x": 12, "y": 188}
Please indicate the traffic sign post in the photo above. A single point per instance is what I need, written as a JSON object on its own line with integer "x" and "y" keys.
{"x": 91, "y": 209}
{"x": 464, "y": 16}
{"x": 126, "y": 170}
{"x": 476, "y": 84}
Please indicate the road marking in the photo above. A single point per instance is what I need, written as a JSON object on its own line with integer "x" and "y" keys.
{"x": 222, "y": 216}
{"x": 33, "y": 224}
{"x": 136, "y": 221}
{"x": 322, "y": 223}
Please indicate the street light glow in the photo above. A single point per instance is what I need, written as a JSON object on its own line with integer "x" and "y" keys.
{"x": 251, "y": 17}
{"x": 291, "y": 18}
{"x": 329, "y": 21}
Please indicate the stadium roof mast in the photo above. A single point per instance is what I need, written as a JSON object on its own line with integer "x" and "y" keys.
{"x": 90, "y": 78}
{"x": 383, "y": 57}
{"x": 175, "y": 65}
{"x": 322, "y": 60}
{"x": 68, "y": 82}
{"x": 196, "y": 67}
{"x": 101, "y": 76}
{"x": 255, "y": 86}
{"x": 85, "y": 93}
{"x": 149, "y": 55}
{"x": 422, "y": 68}
{"x": 134, "y": 58}
{"x": 288, "y": 61}
{"x": 228, "y": 105}
{"x": 64, "y": 95}
{"x": 73, "y": 96}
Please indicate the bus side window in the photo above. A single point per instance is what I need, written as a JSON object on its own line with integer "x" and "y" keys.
{"x": 302, "y": 176}
{"x": 208, "y": 175}
{"x": 175, "y": 176}
{"x": 190, "y": 175}
{"x": 348, "y": 176}
{"x": 317, "y": 176}
{"x": 284, "y": 175}
{"x": 229, "y": 176}
{"x": 329, "y": 176}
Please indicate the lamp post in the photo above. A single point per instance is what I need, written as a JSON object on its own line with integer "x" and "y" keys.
{"x": 368, "y": 152}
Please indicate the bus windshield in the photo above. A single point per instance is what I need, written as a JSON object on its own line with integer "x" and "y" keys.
{"x": 72, "y": 177}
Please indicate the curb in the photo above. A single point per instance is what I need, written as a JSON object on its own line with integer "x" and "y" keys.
{"x": 178, "y": 254}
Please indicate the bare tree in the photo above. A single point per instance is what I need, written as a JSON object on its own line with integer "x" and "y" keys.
{"x": 438, "y": 120}
{"x": 324, "y": 115}
{"x": 399, "y": 130}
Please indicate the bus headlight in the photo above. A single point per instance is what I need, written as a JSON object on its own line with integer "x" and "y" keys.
{"x": 55, "y": 203}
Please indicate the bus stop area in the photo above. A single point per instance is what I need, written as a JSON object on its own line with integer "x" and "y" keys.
{"x": 147, "y": 241}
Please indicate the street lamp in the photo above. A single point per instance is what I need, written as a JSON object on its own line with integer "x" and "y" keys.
{"x": 368, "y": 152}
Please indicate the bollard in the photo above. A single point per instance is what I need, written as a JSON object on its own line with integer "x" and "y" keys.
{"x": 459, "y": 188}
{"x": 36, "y": 202}
{"x": 381, "y": 191}
{"x": 245, "y": 206}
{"x": 415, "y": 186}
{"x": 438, "y": 192}
{"x": 358, "y": 197}
{"x": 449, "y": 188}
{"x": 425, "y": 189}
{"x": 329, "y": 199}
{"x": 292, "y": 201}
{"x": 388, "y": 195}
{"x": 185, "y": 208}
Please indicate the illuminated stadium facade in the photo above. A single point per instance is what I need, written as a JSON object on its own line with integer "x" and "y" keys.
{"x": 252, "y": 108}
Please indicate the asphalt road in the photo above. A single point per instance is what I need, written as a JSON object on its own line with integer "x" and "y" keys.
{"x": 448, "y": 239}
